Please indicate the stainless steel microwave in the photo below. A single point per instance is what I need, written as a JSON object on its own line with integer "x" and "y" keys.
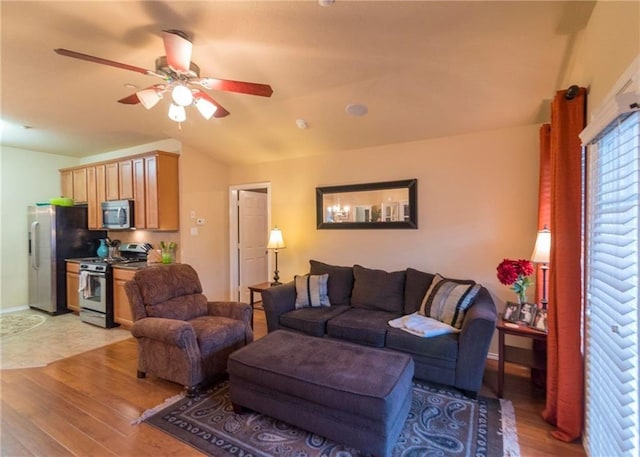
{"x": 118, "y": 215}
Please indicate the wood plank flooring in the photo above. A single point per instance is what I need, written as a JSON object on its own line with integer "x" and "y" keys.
{"x": 84, "y": 405}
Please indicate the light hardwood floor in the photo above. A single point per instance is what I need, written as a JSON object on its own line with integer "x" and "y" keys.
{"x": 84, "y": 405}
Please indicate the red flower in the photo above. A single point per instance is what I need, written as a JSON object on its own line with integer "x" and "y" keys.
{"x": 516, "y": 273}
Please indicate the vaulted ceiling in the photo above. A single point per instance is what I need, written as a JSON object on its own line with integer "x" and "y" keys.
{"x": 423, "y": 69}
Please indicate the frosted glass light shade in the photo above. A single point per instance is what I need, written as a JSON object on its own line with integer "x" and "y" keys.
{"x": 148, "y": 97}
{"x": 206, "y": 108}
{"x": 182, "y": 95}
{"x": 177, "y": 113}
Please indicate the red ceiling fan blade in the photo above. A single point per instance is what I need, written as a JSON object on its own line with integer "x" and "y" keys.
{"x": 220, "y": 111}
{"x": 178, "y": 50}
{"x": 130, "y": 100}
{"x": 100, "y": 60}
{"x": 243, "y": 87}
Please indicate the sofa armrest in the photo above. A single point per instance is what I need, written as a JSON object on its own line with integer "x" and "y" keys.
{"x": 234, "y": 310}
{"x": 277, "y": 301}
{"x": 475, "y": 339}
{"x": 169, "y": 331}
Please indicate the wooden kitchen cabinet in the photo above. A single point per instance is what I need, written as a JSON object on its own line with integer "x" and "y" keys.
{"x": 139, "y": 193}
{"x": 121, "y": 307}
{"x": 111, "y": 181}
{"x": 150, "y": 179}
{"x": 73, "y": 284}
{"x": 80, "y": 185}
{"x": 95, "y": 195}
{"x": 161, "y": 186}
{"x": 125, "y": 183}
{"x": 66, "y": 183}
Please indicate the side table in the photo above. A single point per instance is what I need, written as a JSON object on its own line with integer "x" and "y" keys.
{"x": 518, "y": 355}
{"x": 256, "y": 288}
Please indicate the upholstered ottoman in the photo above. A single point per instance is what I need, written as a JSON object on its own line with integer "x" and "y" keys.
{"x": 355, "y": 395}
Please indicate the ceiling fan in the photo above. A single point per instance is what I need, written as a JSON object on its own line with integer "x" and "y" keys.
{"x": 181, "y": 78}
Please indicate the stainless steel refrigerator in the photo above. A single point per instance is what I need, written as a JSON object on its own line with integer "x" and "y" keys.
{"x": 56, "y": 233}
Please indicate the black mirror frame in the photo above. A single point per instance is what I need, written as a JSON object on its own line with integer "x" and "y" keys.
{"x": 410, "y": 184}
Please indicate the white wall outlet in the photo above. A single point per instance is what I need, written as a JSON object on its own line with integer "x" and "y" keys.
{"x": 194, "y": 231}
{"x": 200, "y": 221}
{"x": 193, "y": 214}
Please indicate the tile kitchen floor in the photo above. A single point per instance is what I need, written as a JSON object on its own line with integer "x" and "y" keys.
{"x": 55, "y": 338}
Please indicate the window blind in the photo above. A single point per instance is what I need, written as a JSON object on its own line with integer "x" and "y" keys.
{"x": 612, "y": 378}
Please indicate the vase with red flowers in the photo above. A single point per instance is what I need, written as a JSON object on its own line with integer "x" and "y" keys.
{"x": 516, "y": 273}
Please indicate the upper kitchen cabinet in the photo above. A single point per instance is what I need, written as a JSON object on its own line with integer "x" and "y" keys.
{"x": 150, "y": 179}
{"x": 96, "y": 194}
{"x": 80, "y": 185}
{"x": 125, "y": 175}
{"x": 66, "y": 183}
{"x": 161, "y": 191}
{"x": 73, "y": 184}
{"x": 111, "y": 181}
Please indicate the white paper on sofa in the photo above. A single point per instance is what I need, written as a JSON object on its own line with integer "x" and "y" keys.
{"x": 423, "y": 326}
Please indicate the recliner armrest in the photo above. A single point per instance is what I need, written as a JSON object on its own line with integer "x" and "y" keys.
{"x": 277, "y": 301}
{"x": 234, "y": 310}
{"x": 170, "y": 331}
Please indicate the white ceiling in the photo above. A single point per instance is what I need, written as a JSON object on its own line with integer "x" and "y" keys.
{"x": 424, "y": 69}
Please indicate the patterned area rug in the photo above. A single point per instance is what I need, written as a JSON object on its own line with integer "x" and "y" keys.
{"x": 441, "y": 423}
{"x": 12, "y": 324}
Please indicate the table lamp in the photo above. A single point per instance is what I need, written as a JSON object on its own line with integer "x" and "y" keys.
{"x": 276, "y": 242}
{"x": 541, "y": 255}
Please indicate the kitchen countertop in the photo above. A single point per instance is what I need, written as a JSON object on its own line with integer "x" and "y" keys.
{"x": 123, "y": 266}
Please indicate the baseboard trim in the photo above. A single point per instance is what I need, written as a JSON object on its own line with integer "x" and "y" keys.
{"x": 13, "y": 309}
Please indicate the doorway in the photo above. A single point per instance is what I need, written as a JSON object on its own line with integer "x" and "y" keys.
{"x": 249, "y": 221}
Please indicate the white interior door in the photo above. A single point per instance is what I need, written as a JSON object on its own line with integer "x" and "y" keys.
{"x": 253, "y": 231}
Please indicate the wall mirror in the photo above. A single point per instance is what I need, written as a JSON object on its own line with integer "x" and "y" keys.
{"x": 380, "y": 205}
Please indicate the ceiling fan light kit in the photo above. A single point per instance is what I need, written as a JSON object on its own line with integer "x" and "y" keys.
{"x": 179, "y": 74}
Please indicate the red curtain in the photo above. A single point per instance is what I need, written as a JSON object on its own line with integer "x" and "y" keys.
{"x": 565, "y": 365}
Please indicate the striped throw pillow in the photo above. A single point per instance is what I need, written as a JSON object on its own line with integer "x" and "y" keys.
{"x": 311, "y": 291}
{"x": 448, "y": 299}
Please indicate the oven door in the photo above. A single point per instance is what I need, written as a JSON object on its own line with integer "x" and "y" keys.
{"x": 93, "y": 295}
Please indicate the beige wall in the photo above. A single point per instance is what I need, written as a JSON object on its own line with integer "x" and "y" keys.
{"x": 605, "y": 49}
{"x": 26, "y": 177}
{"x": 477, "y": 200}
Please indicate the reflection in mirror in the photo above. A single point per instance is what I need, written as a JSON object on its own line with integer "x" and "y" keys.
{"x": 376, "y": 205}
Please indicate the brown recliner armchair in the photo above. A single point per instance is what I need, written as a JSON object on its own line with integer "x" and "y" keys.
{"x": 181, "y": 336}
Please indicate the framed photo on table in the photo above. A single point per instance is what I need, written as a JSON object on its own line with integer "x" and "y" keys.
{"x": 540, "y": 320}
{"x": 527, "y": 313}
{"x": 512, "y": 311}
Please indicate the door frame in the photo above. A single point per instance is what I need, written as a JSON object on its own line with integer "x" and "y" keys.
{"x": 234, "y": 261}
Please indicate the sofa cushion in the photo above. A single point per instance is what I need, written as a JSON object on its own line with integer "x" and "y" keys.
{"x": 422, "y": 326}
{"x": 312, "y": 321}
{"x": 415, "y": 287}
{"x": 311, "y": 291}
{"x": 448, "y": 299}
{"x": 340, "y": 281}
{"x": 378, "y": 289}
{"x": 363, "y": 326}
{"x": 441, "y": 350}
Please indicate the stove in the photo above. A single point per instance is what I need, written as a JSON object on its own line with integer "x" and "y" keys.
{"x": 96, "y": 283}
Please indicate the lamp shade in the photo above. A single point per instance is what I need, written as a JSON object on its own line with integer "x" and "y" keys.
{"x": 275, "y": 239}
{"x": 542, "y": 250}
